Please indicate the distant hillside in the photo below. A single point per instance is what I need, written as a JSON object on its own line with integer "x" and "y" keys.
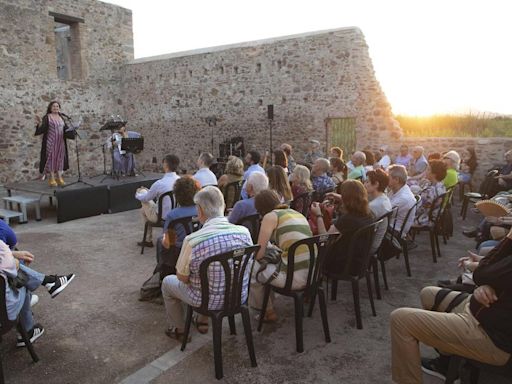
{"x": 456, "y": 125}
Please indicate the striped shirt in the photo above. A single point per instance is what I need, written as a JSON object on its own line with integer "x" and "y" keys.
{"x": 292, "y": 226}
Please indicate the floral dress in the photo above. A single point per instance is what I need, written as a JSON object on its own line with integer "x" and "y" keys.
{"x": 429, "y": 196}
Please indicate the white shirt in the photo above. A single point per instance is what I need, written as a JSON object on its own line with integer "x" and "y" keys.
{"x": 404, "y": 200}
{"x": 159, "y": 187}
{"x": 379, "y": 207}
{"x": 205, "y": 177}
{"x": 385, "y": 162}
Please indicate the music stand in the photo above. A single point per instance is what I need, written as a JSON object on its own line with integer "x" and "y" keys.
{"x": 134, "y": 145}
{"x": 73, "y": 131}
{"x": 112, "y": 126}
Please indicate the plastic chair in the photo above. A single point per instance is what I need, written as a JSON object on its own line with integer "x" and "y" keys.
{"x": 252, "y": 223}
{"x": 401, "y": 235}
{"x": 469, "y": 370}
{"x": 237, "y": 268}
{"x": 302, "y": 203}
{"x": 232, "y": 192}
{"x": 160, "y": 220}
{"x": 317, "y": 246}
{"x": 6, "y": 325}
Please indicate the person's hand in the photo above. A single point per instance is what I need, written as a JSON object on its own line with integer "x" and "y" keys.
{"x": 461, "y": 261}
{"x": 485, "y": 295}
{"x": 315, "y": 208}
{"x": 17, "y": 263}
{"x": 165, "y": 241}
{"x": 492, "y": 220}
{"x": 334, "y": 197}
{"x": 473, "y": 256}
{"x": 38, "y": 119}
{"x": 26, "y": 256}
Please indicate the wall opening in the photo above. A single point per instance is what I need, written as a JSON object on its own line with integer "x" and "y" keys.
{"x": 341, "y": 132}
{"x": 68, "y": 49}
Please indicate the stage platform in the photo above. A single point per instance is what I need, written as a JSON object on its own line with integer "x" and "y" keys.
{"x": 102, "y": 195}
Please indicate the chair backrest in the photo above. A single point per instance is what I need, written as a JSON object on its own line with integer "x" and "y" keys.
{"x": 5, "y": 323}
{"x": 168, "y": 195}
{"x": 384, "y": 220}
{"x": 232, "y": 192}
{"x": 358, "y": 255}
{"x": 304, "y": 198}
{"x": 190, "y": 224}
{"x": 252, "y": 223}
{"x": 236, "y": 266}
{"x": 317, "y": 247}
{"x": 409, "y": 213}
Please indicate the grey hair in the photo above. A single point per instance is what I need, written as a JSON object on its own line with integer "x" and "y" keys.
{"x": 258, "y": 181}
{"x": 211, "y": 201}
{"x": 360, "y": 156}
{"x": 399, "y": 172}
{"x": 419, "y": 149}
{"x": 206, "y": 158}
{"x": 324, "y": 163}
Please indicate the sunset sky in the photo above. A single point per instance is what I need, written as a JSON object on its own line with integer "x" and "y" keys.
{"x": 430, "y": 57}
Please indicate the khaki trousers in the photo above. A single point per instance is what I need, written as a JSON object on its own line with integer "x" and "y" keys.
{"x": 455, "y": 333}
{"x": 149, "y": 212}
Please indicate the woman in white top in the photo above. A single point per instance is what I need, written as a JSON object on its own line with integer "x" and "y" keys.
{"x": 376, "y": 183}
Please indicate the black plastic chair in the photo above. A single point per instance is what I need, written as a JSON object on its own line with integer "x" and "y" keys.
{"x": 232, "y": 192}
{"x": 6, "y": 325}
{"x": 237, "y": 266}
{"x": 379, "y": 258}
{"x": 469, "y": 370}
{"x": 357, "y": 266}
{"x": 148, "y": 226}
{"x": 401, "y": 236}
{"x": 302, "y": 203}
{"x": 316, "y": 247}
{"x": 252, "y": 223}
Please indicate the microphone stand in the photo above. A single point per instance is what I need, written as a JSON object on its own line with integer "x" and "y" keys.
{"x": 79, "y": 180}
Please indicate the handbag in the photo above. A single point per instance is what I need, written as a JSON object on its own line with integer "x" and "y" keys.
{"x": 270, "y": 265}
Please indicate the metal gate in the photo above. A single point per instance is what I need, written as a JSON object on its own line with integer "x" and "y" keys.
{"x": 341, "y": 132}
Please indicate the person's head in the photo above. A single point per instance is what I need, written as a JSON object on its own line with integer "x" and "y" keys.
{"x": 252, "y": 157}
{"x": 266, "y": 201}
{"x": 210, "y": 203}
{"x": 354, "y": 198}
{"x": 434, "y": 156}
{"x": 301, "y": 176}
{"x": 508, "y": 156}
{"x": 205, "y": 160}
{"x": 280, "y": 158}
{"x": 170, "y": 163}
{"x": 337, "y": 165}
{"x": 404, "y": 150}
{"x": 320, "y": 167}
{"x": 417, "y": 152}
{"x": 54, "y": 107}
{"x": 377, "y": 155}
{"x": 436, "y": 170}
{"x": 235, "y": 166}
{"x": 336, "y": 152}
{"x": 256, "y": 183}
{"x": 184, "y": 190}
{"x": 397, "y": 177}
{"x": 383, "y": 150}
{"x": 122, "y": 128}
{"x": 278, "y": 181}
{"x": 286, "y": 148}
{"x": 358, "y": 158}
{"x": 376, "y": 181}
{"x": 452, "y": 160}
{"x": 314, "y": 145}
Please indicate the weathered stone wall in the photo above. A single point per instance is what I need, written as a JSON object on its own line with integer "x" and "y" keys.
{"x": 308, "y": 78}
{"x": 28, "y": 77}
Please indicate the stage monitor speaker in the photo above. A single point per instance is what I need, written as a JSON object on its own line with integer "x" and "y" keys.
{"x": 270, "y": 112}
{"x": 122, "y": 196}
{"x": 78, "y": 203}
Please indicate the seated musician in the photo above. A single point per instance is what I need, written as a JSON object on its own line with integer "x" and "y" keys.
{"x": 124, "y": 161}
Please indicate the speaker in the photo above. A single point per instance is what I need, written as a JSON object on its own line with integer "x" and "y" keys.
{"x": 270, "y": 112}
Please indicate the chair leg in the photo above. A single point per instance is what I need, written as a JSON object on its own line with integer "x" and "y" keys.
{"x": 26, "y": 339}
{"x": 464, "y": 207}
{"x": 375, "y": 270}
{"x": 217, "y": 346}
{"x": 146, "y": 225}
{"x": 384, "y": 276}
{"x": 334, "y": 289}
{"x": 299, "y": 313}
{"x": 188, "y": 322}
{"x": 246, "y": 320}
{"x": 436, "y": 239}
{"x": 357, "y": 304}
{"x": 266, "y": 296}
{"x": 406, "y": 258}
{"x": 432, "y": 246}
{"x": 2, "y": 378}
{"x": 312, "y": 298}
{"x": 323, "y": 313}
{"x": 232, "y": 326}
{"x": 370, "y": 292}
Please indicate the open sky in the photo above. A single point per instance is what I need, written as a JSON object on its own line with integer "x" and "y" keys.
{"x": 435, "y": 56}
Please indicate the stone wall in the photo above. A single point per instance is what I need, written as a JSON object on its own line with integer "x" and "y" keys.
{"x": 308, "y": 78}
{"x": 28, "y": 77}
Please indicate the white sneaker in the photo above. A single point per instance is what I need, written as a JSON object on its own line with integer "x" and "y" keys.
{"x": 34, "y": 300}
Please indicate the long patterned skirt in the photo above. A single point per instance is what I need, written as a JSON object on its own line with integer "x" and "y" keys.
{"x": 55, "y": 149}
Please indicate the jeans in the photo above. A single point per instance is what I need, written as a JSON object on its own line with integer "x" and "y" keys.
{"x": 18, "y": 300}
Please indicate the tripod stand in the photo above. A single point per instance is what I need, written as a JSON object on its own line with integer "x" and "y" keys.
{"x": 79, "y": 180}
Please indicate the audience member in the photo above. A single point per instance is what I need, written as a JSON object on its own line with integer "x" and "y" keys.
{"x": 321, "y": 181}
{"x": 478, "y": 328}
{"x": 504, "y": 177}
{"x": 256, "y": 183}
{"x": 287, "y": 149}
{"x": 354, "y": 213}
{"x": 436, "y": 173}
{"x": 401, "y": 196}
{"x": 234, "y": 173}
{"x": 418, "y": 164}
{"x": 252, "y": 160}
{"x": 281, "y": 160}
{"x": 204, "y": 175}
{"x": 147, "y": 197}
{"x": 338, "y": 170}
{"x": 404, "y": 157}
{"x": 301, "y": 184}
{"x": 434, "y": 156}
{"x": 369, "y": 161}
{"x": 376, "y": 183}
{"x": 358, "y": 172}
{"x": 284, "y": 226}
{"x": 336, "y": 152}
{"x": 278, "y": 181}
{"x": 468, "y": 165}
{"x": 385, "y": 161}
{"x": 215, "y": 237}
{"x": 452, "y": 161}
{"x": 314, "y": 152}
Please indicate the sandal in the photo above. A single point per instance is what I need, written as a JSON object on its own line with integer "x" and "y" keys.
{"x": 174, "y": 334}
{"x": 201, "y": 326}
{"x": 270, "y": 316}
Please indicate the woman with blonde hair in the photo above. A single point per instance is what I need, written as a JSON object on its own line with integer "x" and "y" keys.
{"x": 301, "y": 184}
{"x": 234, "y": 172}
{"x": 278, "y": 181}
